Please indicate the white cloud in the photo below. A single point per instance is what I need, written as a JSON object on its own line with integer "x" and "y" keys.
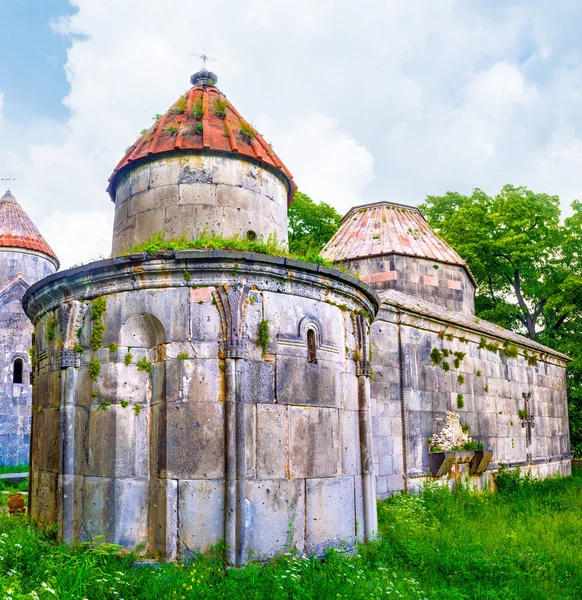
{"x": 386, "y": 100}
{"x": 330, "y": 164}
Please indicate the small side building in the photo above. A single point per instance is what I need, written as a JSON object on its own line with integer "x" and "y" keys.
{"x": 25, "y": 258}
{"x": 437, "y": 367}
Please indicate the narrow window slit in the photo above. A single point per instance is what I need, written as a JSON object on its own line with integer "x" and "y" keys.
{"x": 17, "y": 373}
{"x": 311, "y": 346}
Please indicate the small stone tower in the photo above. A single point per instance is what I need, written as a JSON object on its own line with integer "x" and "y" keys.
{"x": 391, "y": 247}
{"x": 25, "y": 257}
{"x": 200, "y": 167}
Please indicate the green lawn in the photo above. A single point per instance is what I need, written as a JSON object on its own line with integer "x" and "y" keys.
{"x": 524, "y": 542}
{"x": 21, "y": 468}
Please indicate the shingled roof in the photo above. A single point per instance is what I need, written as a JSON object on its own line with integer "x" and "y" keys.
{"x": 388, "y": 228}
{"x": 203, "y": 120}
{"x": 18, "y": 231}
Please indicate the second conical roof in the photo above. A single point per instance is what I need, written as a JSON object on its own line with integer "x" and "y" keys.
{"x": 18, "y": 231}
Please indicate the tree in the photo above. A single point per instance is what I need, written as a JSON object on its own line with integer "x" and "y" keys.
{"x": 527, "y": 265}
{"x": 311, "y": 224}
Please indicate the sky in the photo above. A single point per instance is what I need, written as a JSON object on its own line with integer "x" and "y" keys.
{"x": 368, "y": 101}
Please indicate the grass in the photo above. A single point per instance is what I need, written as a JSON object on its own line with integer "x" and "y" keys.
{"x": 20, "y": 468}
{"x": 522, "y": 542}
{"x": 212, "y": 241}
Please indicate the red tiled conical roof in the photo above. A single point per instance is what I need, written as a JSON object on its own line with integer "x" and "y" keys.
{"x": 203, "y": 120}
{"x": 18, "y": 231}
{"x": 387, "y": 228}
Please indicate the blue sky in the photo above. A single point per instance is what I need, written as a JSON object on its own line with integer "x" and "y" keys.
{"x": 32, "y": 75}
{"x": 363, "y": 102}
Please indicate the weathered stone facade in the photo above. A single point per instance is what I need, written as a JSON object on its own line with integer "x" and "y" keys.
{"x": 189, "y": 194}
{"x": 203, "y": 433}
{"x": 19, "y": 268}
{"x": 439, "y": 283}
{"x": 411, "y": 396}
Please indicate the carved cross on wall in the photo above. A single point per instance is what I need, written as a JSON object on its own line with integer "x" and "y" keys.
{"x": 528, "y": 422}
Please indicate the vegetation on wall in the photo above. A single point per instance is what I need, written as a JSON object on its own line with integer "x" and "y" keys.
{"x": 527, "y": 263}
{"x": 214, "y": 241}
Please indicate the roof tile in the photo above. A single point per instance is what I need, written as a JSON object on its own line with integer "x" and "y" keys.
{"x": 17, "y": 230}
{"x": 182, "y": 128}
{"x": 388, "y": 228}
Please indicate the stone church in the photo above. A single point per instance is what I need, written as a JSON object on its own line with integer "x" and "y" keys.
{"x": 190, "y": 396}
{"x": 25, "y": 258}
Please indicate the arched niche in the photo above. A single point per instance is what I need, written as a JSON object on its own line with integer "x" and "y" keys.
{"x": 142, "y": 330}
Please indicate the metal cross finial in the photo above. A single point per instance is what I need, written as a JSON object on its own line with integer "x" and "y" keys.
{"x": 204, "y": 57}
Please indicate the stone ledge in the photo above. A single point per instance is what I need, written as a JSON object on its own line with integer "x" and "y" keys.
{"x": 207, "y": 268}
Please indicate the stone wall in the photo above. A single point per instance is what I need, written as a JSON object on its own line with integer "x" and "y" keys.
{"x": 439, "y": 283}
{"x": 411, "y": 397}
{"x": 17, "y": 271}
{"x": 191, "y": 193}
{"x": 215, "y": 436}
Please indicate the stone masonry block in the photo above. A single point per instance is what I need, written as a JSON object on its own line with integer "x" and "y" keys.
{"x": 271, "y": 441}
{"x": 275, "y": 516}
{"x": 199, "y": 428}
{"x": 330, "y": 514}
{"x": 200, "y": 515}
{"x": 300, "y": 382}
{"x": 313, "y": 442}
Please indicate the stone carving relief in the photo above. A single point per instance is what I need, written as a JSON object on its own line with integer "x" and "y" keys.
{"x": 231, "y": 304}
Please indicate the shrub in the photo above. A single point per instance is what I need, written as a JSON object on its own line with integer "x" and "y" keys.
{"x": 94, "y": 368}
{"x": 220, "y": 107}
{"x": 144, "y": 365}
{"x": 460, "y": 401}
{"x": 436, "y": 356}
{"x": 247, "y": 132}
{"x": 128, "y": 358}
{"x": 263, "y": 339}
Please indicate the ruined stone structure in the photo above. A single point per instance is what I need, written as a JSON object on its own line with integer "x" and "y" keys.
{"x": 510, "y": 390}
{"x": 25, "y": 258}
{"x": 188, "y": 397}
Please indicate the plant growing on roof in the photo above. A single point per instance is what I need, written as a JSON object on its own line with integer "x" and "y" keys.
{"x": 247, "y": 132}
{"x": 220, "y": 105}
{"x": 172, "y": 130}
{"x": 198, "y": 109}
{"x": 180, "y": 106}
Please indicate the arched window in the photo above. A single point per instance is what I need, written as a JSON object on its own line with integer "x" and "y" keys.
{"x": 311, "y": 346}
{"x": 17, "y": 372}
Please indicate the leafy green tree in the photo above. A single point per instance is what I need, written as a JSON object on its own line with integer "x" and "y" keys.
{"x": 311, "y": 224}
{"x": 528, "y": 268}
